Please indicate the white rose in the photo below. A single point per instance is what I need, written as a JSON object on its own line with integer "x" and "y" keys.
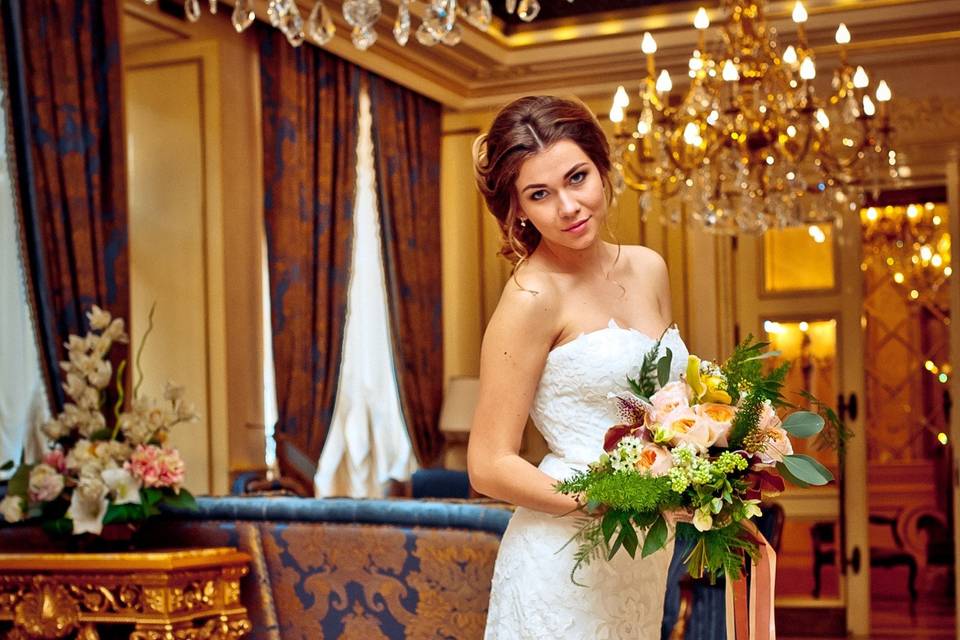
{"x": 12, "y": 508}
{"x": 673, "y": 395}
{"x": 45, "y": 483}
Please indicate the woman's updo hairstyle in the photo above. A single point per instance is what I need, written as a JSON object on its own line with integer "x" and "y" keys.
{"x": 522, "y": 129}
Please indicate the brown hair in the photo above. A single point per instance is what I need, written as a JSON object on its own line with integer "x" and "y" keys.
{"x": 522, "y": 129}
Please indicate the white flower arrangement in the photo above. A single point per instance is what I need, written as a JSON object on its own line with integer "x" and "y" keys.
{"x": 97, "y": 471}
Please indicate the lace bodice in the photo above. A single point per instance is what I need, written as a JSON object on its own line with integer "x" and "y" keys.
{"x": 532, "y": 596}
{"x": 573, "y": 406}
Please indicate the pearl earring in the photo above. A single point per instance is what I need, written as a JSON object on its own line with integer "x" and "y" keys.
{"x": 523, "y": 222}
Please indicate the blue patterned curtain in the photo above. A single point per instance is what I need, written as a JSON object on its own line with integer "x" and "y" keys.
{"x": 406, "y": 140}
{"x": 310, "y": 155}
{"x": 64, "y": 82}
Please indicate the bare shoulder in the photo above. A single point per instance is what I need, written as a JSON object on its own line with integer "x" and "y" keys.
{"x": 643, "y": 260}
{"x": 527, "y": 313}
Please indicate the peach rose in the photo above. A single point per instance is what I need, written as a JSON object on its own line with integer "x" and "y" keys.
{"x": 718, "y": 418}
{"x": 673, "y": 395}
{"x": 654, "y": 460}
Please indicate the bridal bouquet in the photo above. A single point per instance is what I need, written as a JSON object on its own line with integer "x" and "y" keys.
{"x": 704, "y": 450}
{"x": 99, "y": 471}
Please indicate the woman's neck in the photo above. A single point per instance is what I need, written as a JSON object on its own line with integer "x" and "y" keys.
{"x": 598, "y": 258}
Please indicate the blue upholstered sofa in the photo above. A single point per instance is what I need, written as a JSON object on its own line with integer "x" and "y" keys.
{"x": 339, "y": 568}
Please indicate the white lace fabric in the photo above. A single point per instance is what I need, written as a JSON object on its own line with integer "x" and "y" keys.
{"x": 532, "y": 595}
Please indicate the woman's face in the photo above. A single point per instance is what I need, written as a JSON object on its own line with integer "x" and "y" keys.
{"x": 561, "y": 194}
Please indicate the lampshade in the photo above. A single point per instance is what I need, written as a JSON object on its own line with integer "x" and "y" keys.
{"x": 459, "y": 403}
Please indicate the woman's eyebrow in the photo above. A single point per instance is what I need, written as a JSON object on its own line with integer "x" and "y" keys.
{"x": 569, "y": 173}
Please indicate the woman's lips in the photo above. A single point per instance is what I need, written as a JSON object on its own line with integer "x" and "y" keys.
{"x": 579, "y": 226}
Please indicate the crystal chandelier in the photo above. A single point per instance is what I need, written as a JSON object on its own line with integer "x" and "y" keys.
{"x": 439, "y": 23}
{"x": 750, "y": 146}
{"x": 913, "y": 244}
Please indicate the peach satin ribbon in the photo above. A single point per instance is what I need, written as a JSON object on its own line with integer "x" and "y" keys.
{"x": 753, "y": 622}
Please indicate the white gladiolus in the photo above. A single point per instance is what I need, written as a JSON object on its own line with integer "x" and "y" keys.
{"x": 124, "y": 487}
{"x": 87, "y": 514}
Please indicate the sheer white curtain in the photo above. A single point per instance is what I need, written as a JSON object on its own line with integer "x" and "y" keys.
{"x": 23, "y": 399}
{"x": 367, "y": 443}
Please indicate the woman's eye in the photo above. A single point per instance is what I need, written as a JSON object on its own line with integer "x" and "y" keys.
{"x": 578, "y": 177}
{"x": 538, "y": 195}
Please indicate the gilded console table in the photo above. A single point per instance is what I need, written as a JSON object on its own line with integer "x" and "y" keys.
{"x": 190, "y": 594}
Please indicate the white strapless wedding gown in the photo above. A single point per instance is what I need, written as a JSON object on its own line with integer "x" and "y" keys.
{"x": 532, "y": 595}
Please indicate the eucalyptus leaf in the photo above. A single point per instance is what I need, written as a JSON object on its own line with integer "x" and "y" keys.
{"x": 792, "y": 479}
{"x": 803, "y": 424}
{"x": 663, "y": 368}
{"x": 656, "y": 537}
{"x": 807, "y": 469}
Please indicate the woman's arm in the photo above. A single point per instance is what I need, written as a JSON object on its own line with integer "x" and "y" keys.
{"x": 515, "y": 347}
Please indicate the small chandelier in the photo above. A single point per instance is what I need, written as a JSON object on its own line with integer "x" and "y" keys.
{"x": 912, "y": 243}
{"x": 439, "y": 24}
{"x": 749, "y": 146}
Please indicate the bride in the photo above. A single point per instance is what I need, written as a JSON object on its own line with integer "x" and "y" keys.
{"x": 573, "y": 322}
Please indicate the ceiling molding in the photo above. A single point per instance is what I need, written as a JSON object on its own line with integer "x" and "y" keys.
{"x": 596, "y": 53}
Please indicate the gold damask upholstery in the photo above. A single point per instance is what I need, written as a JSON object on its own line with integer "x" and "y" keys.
{"x": 347, "y": 569}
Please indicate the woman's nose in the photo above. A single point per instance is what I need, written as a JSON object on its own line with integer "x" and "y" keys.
{"x": 568, "y": 204}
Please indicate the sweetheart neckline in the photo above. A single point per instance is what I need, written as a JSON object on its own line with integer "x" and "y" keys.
{"x": 613, "y": 325}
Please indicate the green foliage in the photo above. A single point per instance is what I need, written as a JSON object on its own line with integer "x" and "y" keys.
{"x": 656, "y": 536}
{"x": 803, "y": 424}
{"x": 805, "y": 469}
{"x": 663, "y": 368}
{"x": 645, "y": 384}
{"x": 19, "y": 482}
{"x": 622, "y": 491}
{"x": 835, "y": 433}
{"x": 743, "y": 365}
{"x": 719, "y": 551}
{"x": 758, "y": 389}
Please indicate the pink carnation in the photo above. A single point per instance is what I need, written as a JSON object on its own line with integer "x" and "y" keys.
{"x": 56, "y": 459}
{"x": 156, "y": 466}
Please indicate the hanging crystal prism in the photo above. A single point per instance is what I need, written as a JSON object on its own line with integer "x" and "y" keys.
{"x": 425, "y": 36}
{"x": 361, "y": 13}
{"x": 320, "y": 25}
{"x": 291, "y": 24}
{"x": 243, "y": 14}
{"x": 511, "y": 6}
{"x": 401, "y": 28}
{"x": 528, "y": 10}
{"x": 453, "y": 37}
{"x": 363, "y": 39}
{"x": 192, "y": 10}
{"x": 276, "y": 9}
{"x": 479, "y": 13}
{"x": 213, "y": 7}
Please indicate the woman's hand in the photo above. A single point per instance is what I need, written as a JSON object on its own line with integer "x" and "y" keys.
{"x": 673, "y": 516}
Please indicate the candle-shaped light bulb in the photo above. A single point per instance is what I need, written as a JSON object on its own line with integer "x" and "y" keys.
{"x": 883, "y": 92}
{"x": 616, "y": 113}
{"x": 790, "y": 55}
{"x": 843, "y": 34}
{"x": 664, "y": 84}
{"x": 799, "y": 13}
{"x": 729, "y": 72}
{"x": 701, "y": 21}
{"x": 869, "y": 108}
{"x": 823, "y": 119}
{"x": 648, "y": 45}
{"x": 860, "y": 78}
{"x": 621, "y": 99}
{"x": 807, "y": 69}
{"x": 643, "y": 127}
{"x": 691, "y": 134}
